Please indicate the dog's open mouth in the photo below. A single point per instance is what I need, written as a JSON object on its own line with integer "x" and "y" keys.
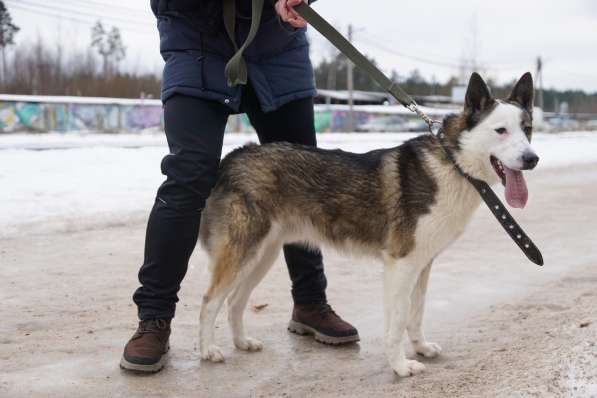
{"x": 516, "y": 187}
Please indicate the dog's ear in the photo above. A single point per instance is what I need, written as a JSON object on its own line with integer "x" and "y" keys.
{"x": 523, "y": 92}
{"x": 478, "y": 97}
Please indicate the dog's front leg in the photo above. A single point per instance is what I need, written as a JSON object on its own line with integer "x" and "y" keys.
{"x": 400, "y": 277}
{"x": 415, "y": 324}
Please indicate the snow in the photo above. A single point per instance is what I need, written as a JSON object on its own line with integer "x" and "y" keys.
{"x": 66, "y": 99}
{"x": 109, "y": 177}
{"x": 79, "y": 140}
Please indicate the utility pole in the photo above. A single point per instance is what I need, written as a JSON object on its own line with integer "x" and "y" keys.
{"x": 350, "y": 86}
{"x": 539, "y": 76}
{"x": 332, "y": 70}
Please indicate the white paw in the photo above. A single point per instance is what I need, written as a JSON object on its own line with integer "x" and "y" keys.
{"x": 213, "y": 353}
{"x": 248, "y": 344}
{"x": 408, "y": 368}
{"x": 427, "y": 349}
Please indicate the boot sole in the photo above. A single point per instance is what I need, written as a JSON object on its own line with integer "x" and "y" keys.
{"x": 153, "y": 368}
{"x": 305, "y": 330}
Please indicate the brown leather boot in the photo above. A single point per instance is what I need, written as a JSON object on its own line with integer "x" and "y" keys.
{"x": 146, "y": 350}
{"x": 320, "y": 321}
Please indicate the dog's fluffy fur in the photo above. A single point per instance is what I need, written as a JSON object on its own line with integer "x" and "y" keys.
{"x": 403, "y": 205}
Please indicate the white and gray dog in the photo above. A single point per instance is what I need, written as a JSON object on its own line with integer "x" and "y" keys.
{"x": 403, "y": 205}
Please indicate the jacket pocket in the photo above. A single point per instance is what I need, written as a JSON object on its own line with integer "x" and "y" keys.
{"x": 183, "y": 69}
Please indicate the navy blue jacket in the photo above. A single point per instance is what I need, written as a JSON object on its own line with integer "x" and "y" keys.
{"x": 195, "y": 46}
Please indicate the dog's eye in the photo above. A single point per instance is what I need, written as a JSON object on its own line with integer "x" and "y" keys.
{"x": 501, "y": 130}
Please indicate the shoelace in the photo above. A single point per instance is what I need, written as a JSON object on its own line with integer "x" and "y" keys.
{"x": 152, "y": 326}
{"x": 326, "y": 309}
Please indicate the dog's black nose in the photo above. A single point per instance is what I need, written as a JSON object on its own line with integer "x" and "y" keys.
{"x": 529, "y": 160}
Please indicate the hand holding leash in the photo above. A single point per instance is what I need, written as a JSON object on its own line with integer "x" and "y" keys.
{"x": 285, "y": 8}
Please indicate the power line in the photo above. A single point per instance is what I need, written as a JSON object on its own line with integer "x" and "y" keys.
{"x": 443, "y": 61}
{"x": 73, "y": 19}
{"x": 49, "y": 14}
{"x": 99, "y": 4}
{"x": 436, "y": 58}
{"x": 116, "y": 10}
{"x": 71, "y": 14}
{"x": 576, "y": 74}
{"x": 376, "y": 45}
{"x": 45, "y": 7}
{"x": 428, "y": 61}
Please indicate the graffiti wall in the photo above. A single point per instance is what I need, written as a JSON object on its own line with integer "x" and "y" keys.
{"x": 19, "y": 113}
{"x": 38, "y": 116}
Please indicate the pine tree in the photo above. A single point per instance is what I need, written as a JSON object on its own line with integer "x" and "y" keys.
{"x": 110, "y": 47}
{"x": 7, "y": 33}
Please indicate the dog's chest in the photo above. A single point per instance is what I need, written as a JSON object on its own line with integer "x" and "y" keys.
{"x": 455, "y": 202}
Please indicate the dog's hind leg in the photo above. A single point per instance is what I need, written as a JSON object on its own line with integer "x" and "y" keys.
{"x": 415, "y": 324}
{"x": 237, "y": 301}
{"x": 228, "y": 261}
{"x": 400, "y": 278}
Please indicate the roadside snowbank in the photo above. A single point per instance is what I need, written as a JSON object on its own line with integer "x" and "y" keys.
{"x": 108, "y": 177}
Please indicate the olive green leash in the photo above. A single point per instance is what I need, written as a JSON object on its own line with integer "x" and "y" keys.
{"x": 236, "y": 68}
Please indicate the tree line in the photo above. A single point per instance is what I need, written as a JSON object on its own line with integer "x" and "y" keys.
{"x": 332, "y": 75}
{"x": 38, "y": 69}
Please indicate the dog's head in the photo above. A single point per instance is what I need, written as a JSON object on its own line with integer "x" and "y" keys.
{"x": 494, "y": 138}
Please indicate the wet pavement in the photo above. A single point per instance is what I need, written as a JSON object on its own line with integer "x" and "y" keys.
{"x": 507, "y": 326}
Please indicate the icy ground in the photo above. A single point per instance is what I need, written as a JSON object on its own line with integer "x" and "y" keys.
{"x": 55, "y": 180}
{"x": 508, "y": 328}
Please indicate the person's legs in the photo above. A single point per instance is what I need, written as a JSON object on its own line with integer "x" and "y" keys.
{"x": 195, "y": 131}
{"x": 292, "y": 123}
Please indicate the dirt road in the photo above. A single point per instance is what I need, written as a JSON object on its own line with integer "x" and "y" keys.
{"x": 508, "y": 327}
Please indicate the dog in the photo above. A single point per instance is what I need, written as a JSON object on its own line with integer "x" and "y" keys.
{"x": 403, "y": 205}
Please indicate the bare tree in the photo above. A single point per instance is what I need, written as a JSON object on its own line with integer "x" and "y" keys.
{"x": 110, "y": 47}
{"x": 44, "y": 69}
{"x": 7, "y": 33}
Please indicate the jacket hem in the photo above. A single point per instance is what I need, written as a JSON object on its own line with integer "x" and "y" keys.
{"x": 231, "y": 102}
{"x": 285, "y": 99}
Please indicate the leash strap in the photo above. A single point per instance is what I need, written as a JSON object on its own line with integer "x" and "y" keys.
{"x": 489, "y": 197}
{"x": 236, "y": 68}
{"x": 507, "y": 221}
{"x": 338, "y": 40}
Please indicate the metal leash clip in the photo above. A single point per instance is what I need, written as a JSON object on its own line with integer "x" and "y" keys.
{"x": 433, "y": 125}
{"x": 435, "y": 128}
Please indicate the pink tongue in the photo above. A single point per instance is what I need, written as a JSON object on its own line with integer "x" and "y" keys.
{"x": 516, "y": 188}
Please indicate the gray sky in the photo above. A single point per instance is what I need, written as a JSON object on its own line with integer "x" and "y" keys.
{"x": 433, "y": 36}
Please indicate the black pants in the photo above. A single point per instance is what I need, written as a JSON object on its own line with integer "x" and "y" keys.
{"x": 195, "y": 132}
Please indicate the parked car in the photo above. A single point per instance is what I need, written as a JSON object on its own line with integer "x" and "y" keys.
{"x": 591, "y": 124}
{"x": 384, "y": 123}
{"x": 392, "y": 123}
{"x": 563, "y": 123}
{"x": 416, "y": 125}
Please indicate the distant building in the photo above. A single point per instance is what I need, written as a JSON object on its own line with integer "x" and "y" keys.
{"x": 340, "y": 97}
{"x": 359, "y": 97}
